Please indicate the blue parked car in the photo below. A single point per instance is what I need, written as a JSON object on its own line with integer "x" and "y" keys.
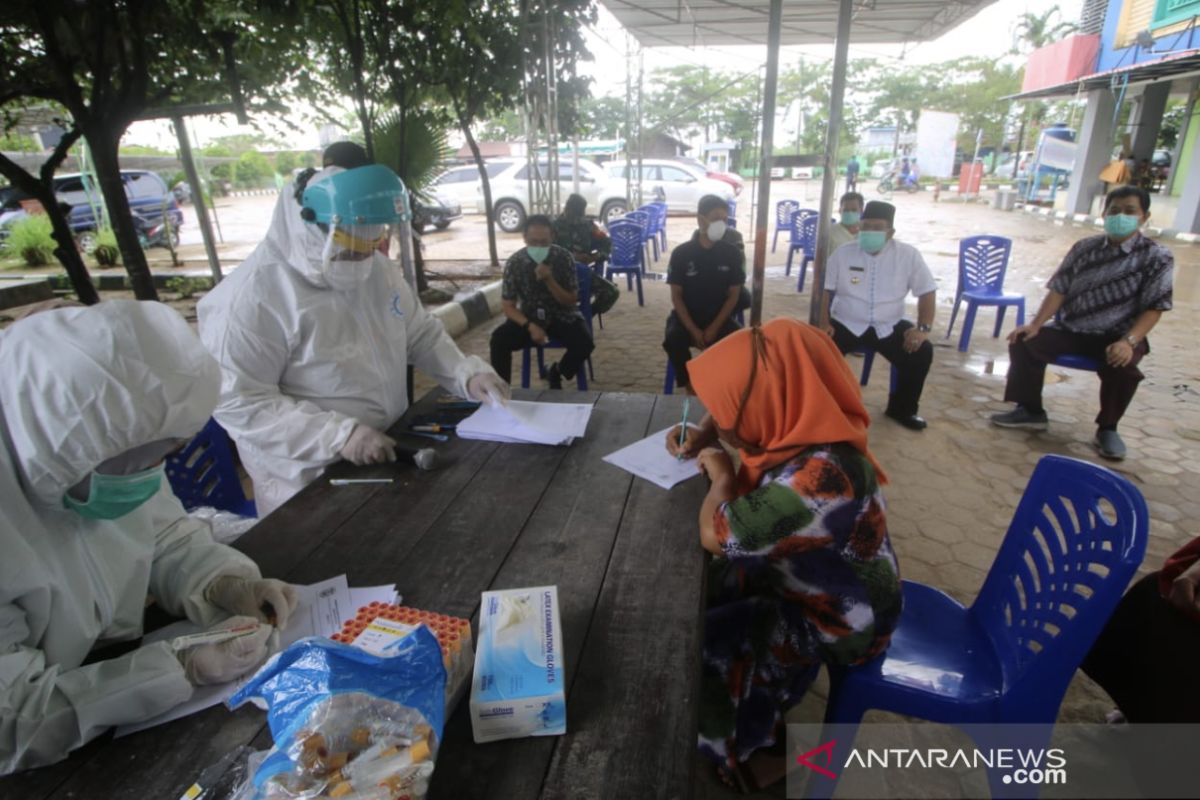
{"x": 146, "y": 192}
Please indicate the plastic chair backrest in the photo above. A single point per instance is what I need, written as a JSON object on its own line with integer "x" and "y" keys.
{"x": 626, "y": 238}
{"x": 203, "y": 473}
{"x": 797, "y": 223}
{"x": 732, "y": 206}
{"x": 783, "y": 212}
{"x": 808, "y": 233}
{"x": 651, "y": 217}
{"x": 982, "y": 262}
{"x": 1075, "y": 541}
{"x": 660, "y": 208}
{"x": 641, "y": 218}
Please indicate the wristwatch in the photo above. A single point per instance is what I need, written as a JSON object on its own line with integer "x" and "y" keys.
{"x": 1131, "y": 340}
{"x": 924, "y": 328}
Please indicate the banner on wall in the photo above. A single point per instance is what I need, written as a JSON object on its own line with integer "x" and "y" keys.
{"x": 937, "y": 132}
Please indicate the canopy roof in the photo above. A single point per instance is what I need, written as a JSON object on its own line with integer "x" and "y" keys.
{"x": 707, "y": 23}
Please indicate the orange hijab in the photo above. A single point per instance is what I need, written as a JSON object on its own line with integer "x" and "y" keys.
{"x": 803, "y": 394}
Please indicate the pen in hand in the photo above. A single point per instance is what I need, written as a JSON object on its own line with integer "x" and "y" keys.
{"x": 683, "y": 427}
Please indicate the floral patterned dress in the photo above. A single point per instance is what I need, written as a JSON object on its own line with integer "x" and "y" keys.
{"x": 808, "y": 577}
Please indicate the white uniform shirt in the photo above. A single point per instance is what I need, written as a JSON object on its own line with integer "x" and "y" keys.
{"x": 871, "y": 289}
{"x": 840, "y": 235}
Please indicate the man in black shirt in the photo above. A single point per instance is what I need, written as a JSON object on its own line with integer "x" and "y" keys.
{"x": 706, "y": 275}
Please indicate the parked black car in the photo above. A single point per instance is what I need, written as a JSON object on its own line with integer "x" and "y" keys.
{"x": 436, "y": 210}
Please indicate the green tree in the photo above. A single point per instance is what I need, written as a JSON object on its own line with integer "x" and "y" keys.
{"x": 18, "y": 143}
{"x": 252, "y": 168}
{"x": 285, "y": 162}
{"x": 602, "y": 117}
{"x": 108, "y": 62}
{"x": 974, "y": 89}
{"x": 1034, "y": 31}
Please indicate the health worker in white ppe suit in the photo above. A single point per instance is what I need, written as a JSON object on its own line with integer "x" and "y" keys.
{"x": 91, "y": 402}
{"x": 314, "y": 333}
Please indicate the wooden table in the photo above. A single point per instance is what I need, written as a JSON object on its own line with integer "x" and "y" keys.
{"x": 624, "y": 554}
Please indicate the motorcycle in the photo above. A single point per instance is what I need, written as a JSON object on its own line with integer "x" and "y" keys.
{"x": 154, "y": 234}
{"x": 887, "y": 184}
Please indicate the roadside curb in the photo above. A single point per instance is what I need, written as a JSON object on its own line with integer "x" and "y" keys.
{"x": 460, "y": 316}
{"x": 1098, "y": 222}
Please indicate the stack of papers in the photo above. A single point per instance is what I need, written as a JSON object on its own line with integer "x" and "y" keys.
{"x": 527, "y": 423}
{"x": 322, "y": 609}
{"x": 649, "y": 459}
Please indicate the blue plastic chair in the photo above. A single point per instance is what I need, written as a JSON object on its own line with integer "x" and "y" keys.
{"x": 203, "y": 473}
{"x": 584, "y": 275}
{"x": 783, "y": 219}
{"x": 652, "y": 227}
{"x": 731, "y": 222}
{"x": 868, "y": 361}
{"x": 732, "y": 206}
{"x": 642, "y": 218}
{"x": 660, "y": 208}
{"x": 1075, "y": 541}
{"x": 804, "y": 241}
{"x": 1076, "y": 361}
{"x": 982, "y": 262}
{"x": 627, "y": 254}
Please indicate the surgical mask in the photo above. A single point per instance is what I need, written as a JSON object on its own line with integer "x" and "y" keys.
{"x": 359, "y": 242}
{"x": 114, "y": 496}
{"x": 1121, "y": 225}
{"x": 538, "y": 254}
{"x": 872, "y": 241}
{"x": 716, "y": 231}
{"x": 851, "y": 218}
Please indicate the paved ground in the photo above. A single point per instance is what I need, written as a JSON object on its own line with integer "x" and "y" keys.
{"x": 954, "y": 487}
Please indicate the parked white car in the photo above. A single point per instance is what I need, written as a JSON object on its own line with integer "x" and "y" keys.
{"x": 682, "y": 183}
{"x": 462, "y": 185}
{"x": 510, "y": 191}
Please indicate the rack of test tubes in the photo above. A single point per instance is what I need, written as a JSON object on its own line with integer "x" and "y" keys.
{"x": 379, "y": 625}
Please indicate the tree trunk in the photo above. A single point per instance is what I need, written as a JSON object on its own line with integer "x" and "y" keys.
{"x": 487, "y": 191}
{"x": 108, "y": 174}
{"x": 67, "y": 253}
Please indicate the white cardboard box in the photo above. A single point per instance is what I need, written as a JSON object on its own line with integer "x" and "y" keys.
{"x": 517, "y": 689}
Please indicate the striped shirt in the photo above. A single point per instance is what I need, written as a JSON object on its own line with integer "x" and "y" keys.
{"x": 1108, "y": 286}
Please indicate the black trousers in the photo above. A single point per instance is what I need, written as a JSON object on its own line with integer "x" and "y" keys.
{"x": 510, "y": 336}
{"x": 911, "y": 368}
{"x": 1027, "y": 370}
{"x": 1146, "y": 657}
{"x": 678, "y": 344}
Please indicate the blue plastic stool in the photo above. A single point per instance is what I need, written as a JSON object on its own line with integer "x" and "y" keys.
{"x": 203, "y": 473}
{"x": 869, "y": 360}
{"x": 669, "y": 378}
{"x": 1076, "y": 539}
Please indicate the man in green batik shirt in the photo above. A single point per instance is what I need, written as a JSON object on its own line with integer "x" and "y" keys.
{"x": 581, "y": 235}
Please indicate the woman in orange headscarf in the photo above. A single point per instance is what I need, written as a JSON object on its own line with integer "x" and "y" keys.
{"x": 804, "y": 572}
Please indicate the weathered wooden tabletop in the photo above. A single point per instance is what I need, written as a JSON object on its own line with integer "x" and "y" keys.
{"x": 624, "y": 554}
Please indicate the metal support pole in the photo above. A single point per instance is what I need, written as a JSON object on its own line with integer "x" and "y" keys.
{"x": 628, "y": 127}
{"x": 189, "y": 166}
{"x": 765, "y": 158}
{"x": 837, "y": 94}
{"x": 641, "y": 136}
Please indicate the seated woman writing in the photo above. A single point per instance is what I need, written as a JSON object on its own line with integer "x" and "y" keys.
{"x": 803, "y": 571}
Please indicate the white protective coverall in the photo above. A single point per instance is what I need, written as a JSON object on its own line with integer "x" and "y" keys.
{"x": 80, "y": 386}
{"x": 303, "y": 363}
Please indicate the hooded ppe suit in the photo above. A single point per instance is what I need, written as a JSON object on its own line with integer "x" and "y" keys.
{"x": 308, "y": 350}
{"x": 81, "y": 386}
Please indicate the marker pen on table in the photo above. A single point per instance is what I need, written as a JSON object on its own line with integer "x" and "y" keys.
{"x": 356, "y": 481}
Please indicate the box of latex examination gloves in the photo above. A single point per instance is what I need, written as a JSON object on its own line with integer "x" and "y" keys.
{"x": 517, "y": 689}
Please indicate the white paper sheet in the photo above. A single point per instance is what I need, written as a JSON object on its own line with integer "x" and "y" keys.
{"x": 321, "y": 610}
{"x": 522, "y": 422}
{"x": 371, "y": 594}
{"x": 649, "y": 459}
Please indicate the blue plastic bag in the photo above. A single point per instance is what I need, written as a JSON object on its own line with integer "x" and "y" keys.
{"x": 345, "y": 719}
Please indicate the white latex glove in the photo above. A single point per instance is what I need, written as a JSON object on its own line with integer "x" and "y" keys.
{"x": 265, "y": 599}
{"x": 223, "y": 662}
{"x": 368, "y": 446}
{"x": 486, "y": 387}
